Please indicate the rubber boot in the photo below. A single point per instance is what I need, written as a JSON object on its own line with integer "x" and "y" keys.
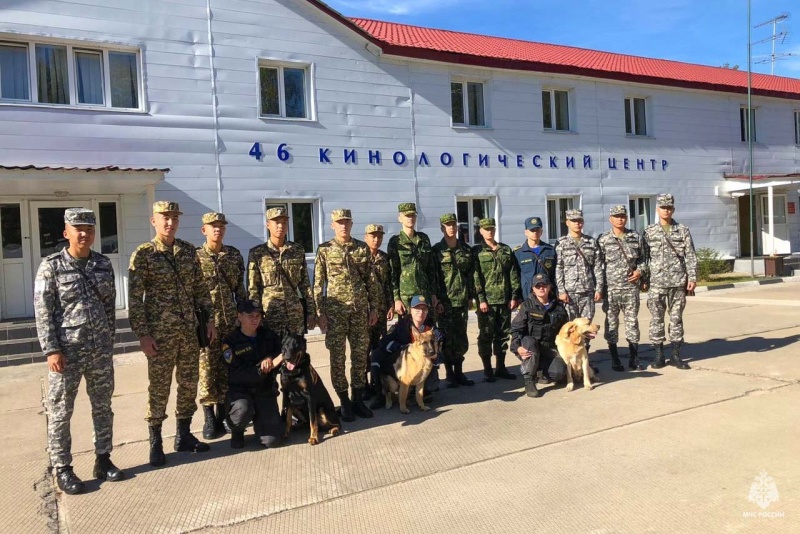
{"x": 675, "y": 357}
{"x": 450, "y": 375}
{"x": 530, "y": 386}
{"x": 488, "y": 373}
{"x": 501, "y": 371}
{"x": 157, "y": 458}
{"x": 347, "y": 407}
{"x": 616, "y": 365}
{"x": 220, "y": 423}
{"x": 185, "y": 440}
{"x": 633, "y": 361}
{"x": 68, "y": 481}
{"x": 377, "y": 389}
{"x": 461, "y": 378}
{"x": 105, "y": 470}
{"x": 658, "y": 363}
{"x": 209, "y": 430}
{"x": 359, "y": 408}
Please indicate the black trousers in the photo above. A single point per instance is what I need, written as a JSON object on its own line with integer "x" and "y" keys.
{"x": 260, "y": 407}
{"x": 548, "y": 362}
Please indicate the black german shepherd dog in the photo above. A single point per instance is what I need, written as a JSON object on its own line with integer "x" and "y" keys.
{"x": 304, "y": 394}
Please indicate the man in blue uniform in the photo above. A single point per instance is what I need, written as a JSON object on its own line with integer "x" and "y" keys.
{"x": 535, "y": 256}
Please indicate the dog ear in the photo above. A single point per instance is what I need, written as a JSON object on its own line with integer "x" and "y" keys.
{"x": 574, "y": 334}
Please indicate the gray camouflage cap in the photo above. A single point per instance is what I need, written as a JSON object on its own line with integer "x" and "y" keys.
{"x": 665, "y": 201}
{"x": 78, "y": 216}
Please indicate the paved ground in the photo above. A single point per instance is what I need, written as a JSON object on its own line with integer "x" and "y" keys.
{"x": 667, "y": 451}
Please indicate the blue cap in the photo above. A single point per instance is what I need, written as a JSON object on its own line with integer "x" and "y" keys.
{"x": 533, "y": 223}
{"x": 416, "y": 300}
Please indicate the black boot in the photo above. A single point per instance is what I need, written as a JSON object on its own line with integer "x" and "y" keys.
{"x": 347, "y": 407}
{"x": 368, "y": 392}
{"x": 450, "y": 375}
{"x": 105, "y": 470}
{"x": 359, "y": 408}
{"x": 377, "y": 389}
{"x": 157, "y": 458}
{"x": 68, "y": 481}
{"x": 501, "y": 371}
{"x": 237, "y": 439}
{"x": 461, "y": 378}
{"x": 488, "y": 373}
{"x": 675, "y": 357}
{"x": 530, "y": 386}
{"x": 658, "y": 363}
{"x": 633, "y": 361}
{"x": 209, "y": 430}
{"x": 185, "y": 440}
{"x": 220, "y": 423}
{"x": 616, "y": 365}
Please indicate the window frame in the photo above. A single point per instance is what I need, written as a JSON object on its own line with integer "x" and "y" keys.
{"x": 797, "y": 127}
{"x": 634, "y": 212}
{"x": 72, "y": 83}
{"x": 561, "y": 215}
{"x": 308, "y": 90}
{"x": 26, "y": 49}
{"x": 744, "y": 125}
{"x": 288, "y": 203}
{"x": 491, "y": 209}
{"x": 630, "y": 107}
{"x": 552, "y": 90}
{"x": 465, "y": 82}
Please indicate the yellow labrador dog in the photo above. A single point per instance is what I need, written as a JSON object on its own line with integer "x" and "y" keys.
{"x": 571, "y": 344}
{"x": 412, "y": 368}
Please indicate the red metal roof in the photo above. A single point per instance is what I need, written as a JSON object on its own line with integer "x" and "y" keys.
{"x": 497, "y": 52}
{"x": 107, "y": 168}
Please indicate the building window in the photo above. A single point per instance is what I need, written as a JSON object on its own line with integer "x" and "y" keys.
{"x": 640, "y": 213}
{"x": 10, "y": 232}
{"x": 555, "y": 110}
{"x": 284, "y": 90}
{"x": 469, "y": 212}
{"x": 302, "y": 217}
{"x": 797, "y": 127}
{"x": 636, "y": 116}
{"x": 557, "y": 216}
{"x": 109, "y": 232}
{"x": 98, "y": 77}
{"x": 744, "y": 125}
{"x": 467, "y": 104}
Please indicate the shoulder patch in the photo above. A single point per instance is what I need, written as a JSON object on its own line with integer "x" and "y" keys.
{"x": 517, "y": 248}
{"x": 227, "y": 353}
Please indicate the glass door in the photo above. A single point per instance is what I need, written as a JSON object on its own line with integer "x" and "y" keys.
{"x": 16, "y": 295}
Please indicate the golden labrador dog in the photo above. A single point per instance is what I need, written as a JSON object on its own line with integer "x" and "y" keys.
{"x": 412, "y": 368}
{"x": 571, "y": 344}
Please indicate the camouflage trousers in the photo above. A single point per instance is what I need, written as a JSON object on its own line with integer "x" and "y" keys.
{"x": 345, "y": 324}
{"x": 283, "y": 319}
{"x": 494, "y": 329}
{"x": 581, "y": 305}
{"x": 627, "y": 302}
{"x": 213, "y": 384}
{"x": 660, "y": 301}
{"x": 97, "y": 366}
{"x": 453, "y": 323}
{"x": 177, "y": 351}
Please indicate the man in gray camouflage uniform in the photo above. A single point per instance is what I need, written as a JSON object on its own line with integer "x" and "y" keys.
{"x": 621, "y": 253}
{"x": 74, "y": 299}
{"x": 672, "y": 263}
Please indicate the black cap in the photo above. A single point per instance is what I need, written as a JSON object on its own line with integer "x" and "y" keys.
{"x": 249, "y": 306}
{"x": 540, "y": 278}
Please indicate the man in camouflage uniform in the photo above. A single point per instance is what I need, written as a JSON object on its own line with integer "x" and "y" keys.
{"x": 534, "y": 256}
{"x": 223, "y": 269}
{"x": 496, "y": 279}
{"x": 381, "y": 269}
{"x": 165, "y": 287}
{"x": 277, "y": 277}
{"x": 346, "y": 298}
{"x": 454, "y": 260}
{"x": 670, "y": 258}
{"x": 74, "y": 299}
{"x": 623, "y": 258}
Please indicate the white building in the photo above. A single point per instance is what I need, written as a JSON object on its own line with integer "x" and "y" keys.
{"x": 235, "y": 105}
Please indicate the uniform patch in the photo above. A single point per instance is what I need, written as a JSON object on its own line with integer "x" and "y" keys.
{"x": 227, "y": 353}
{"x": 536, "y": 315}
{"x": 548, "y": 264}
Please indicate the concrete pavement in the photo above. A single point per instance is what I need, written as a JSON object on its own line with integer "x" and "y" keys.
{"x": 652, "y": 451}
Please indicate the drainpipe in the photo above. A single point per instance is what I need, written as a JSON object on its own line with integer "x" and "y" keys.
{"x": 214, "y": 106}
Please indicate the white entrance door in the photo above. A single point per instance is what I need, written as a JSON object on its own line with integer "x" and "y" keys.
{"x": 778, "y": 241}
{"x": 15, "y": 274}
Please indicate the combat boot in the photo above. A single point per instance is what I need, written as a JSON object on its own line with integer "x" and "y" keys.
{"x": 359, "y": 408}
{"x": 377, "y": 390}
{"x": 68, "y": 481}
{"x": 220, "y": 423}
{"x": 658, "y": 363}
{"x": 105, "y": 470}
{"x": 675, "y": 357}
{"x": 185, "y": 440}
{"x": 616, "y": 365}
{"x": 237, "y": 439}
{"x": 488, "y": 373}
{"x": 209, "y": 430}
{"x": 450, "y": 375}
{"x": 461, "y": 378}
{"x": 633, "y": 361}
{"x": 530, "y": 386}
{"x": 157, "y": 458}
{"x": 347, "y": 407}
{"x": 501, "y": 371}
{"x": 367, "y": 393}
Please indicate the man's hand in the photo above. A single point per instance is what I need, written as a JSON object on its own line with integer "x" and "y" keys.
{"x": 56, "y": 362}
{"x": 322, "y": 323}
{"x": 399, "y": 307}
{"x": 634, "y": 276}
{"x": 598, "y": 297}
{"x": 148, "y": 346}
{"x": 266, "y": 365}
{"x": 211, "y": 331}
{"x": 373, "y": 318}
{"x": 390, "y": 314}
{"x": 483, "y": 307}
{"x": 563, "y": 297}
{"x": 311, "y": 322}
{"x": 513, "y": 304}
{"x": 524, "y": 353}
{"x": 691, "y": 286}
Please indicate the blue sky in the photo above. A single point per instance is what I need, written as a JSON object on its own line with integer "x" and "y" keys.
{"x": 709, "y": 32}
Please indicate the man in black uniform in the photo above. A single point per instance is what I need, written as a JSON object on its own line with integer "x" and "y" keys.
{"x": 533, "y": 334}
{"x": 253, "y": 355}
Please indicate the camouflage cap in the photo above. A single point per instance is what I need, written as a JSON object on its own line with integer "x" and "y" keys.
{"x": 374, "y": 229}
{"x": 534, "y": 223}
{"x": 418, "y": 300}
{"x": 341, "y": 214}
{"x": 539, "y": 278}
{"x": 275, "y": 213}
{"x": 574, "y": 215}
{"x": 665, "y": 201}
{"x": 78, "y": 216}
{"x": 407, "y": 208}
{"x": 619, "y": 209}
{"x": 489, "y": 222}
{"x": 213, "y": 217}
{"x": 447, "y": 218}
{"x": 165, "y": 206}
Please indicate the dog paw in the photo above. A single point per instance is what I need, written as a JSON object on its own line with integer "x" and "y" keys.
{"x": 405, "y": 410}
{"x": 589, "y": 387}
{"x": 570, "y": 387}
{"x": 335, "y": 431}
{"x": 425, "y": 408}
{"x": 313, "y": 441}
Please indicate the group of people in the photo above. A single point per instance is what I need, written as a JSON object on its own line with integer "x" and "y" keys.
{"x": 198, "y": 312}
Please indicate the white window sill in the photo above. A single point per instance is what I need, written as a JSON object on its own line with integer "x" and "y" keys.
{"x": 559, "y": 132}
{"x": 634, "y": 136}
{"x": 284, "y": 119}
{"x": 71, "y": 107}
{"x": 470, "y": 127}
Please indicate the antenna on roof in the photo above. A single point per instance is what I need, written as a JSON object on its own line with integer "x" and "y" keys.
{"x": 776, "y": 36}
